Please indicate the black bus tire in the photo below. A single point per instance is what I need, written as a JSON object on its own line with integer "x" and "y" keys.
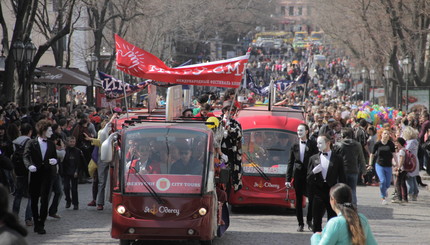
{"x": 124, "y": 242}
{"x": 208, "y": 242}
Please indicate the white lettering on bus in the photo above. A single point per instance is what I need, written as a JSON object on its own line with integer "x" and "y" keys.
{"x": 163, "y": 209}
{"x": 268, "y": 184}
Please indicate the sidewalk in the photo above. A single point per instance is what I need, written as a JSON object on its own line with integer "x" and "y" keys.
{"x": 424, "y": 175}
{"x": 396, "y": 223}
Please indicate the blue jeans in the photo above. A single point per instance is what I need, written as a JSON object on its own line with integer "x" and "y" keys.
{"x": 412, "y": 184}
{"x": 384, "y": 175}
{"x": 351, "y": 181}
{"x": 20, "y": 192}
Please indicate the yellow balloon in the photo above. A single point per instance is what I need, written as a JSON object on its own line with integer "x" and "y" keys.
{"x": 213, "y": 120}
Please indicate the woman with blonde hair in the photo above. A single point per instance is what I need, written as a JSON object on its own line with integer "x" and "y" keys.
{"x": 383, "y": 154}
{"x": 349, "y": 227}
{"x": 411, "y": 135}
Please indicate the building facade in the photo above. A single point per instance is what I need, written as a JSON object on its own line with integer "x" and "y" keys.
{"x": 294, "y": 16}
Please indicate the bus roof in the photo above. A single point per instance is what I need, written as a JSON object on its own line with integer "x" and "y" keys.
{"x": 187, "y": 125}
{"x": 283, "y": 118}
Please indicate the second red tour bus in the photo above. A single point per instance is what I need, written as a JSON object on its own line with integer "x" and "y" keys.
{"x": 268, "y": 136}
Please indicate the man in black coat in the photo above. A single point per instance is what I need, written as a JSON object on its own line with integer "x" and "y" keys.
{"x": 40, "y": 157}
{"x": 324, "y": 171}
{"x": 300, "y": 153}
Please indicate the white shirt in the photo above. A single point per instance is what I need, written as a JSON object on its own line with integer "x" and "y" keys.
{"x": 302, "y": 150}
{"x": 325, "y": 161}
{"x": 43, "y": 146}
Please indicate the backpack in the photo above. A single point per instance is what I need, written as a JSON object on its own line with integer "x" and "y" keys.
{"x": 18, "y": 159}
{"x": 410, "y": 162}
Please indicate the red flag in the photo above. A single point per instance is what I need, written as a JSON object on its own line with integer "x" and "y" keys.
{"x": 137, "y": 62}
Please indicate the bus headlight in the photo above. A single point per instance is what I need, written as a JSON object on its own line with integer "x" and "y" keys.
{"x": 190, "y": 232}
{"x": 120, "y": 209}
{"x": 202, "y": 211}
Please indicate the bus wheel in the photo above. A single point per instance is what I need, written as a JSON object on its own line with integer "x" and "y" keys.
{"x": 235, "y": 209}
{"x": 124, "y": 242}
{"x": 208, "y": 242}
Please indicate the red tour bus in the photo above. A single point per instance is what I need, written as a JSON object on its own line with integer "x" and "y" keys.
{"x": 267, "y": 139}
{"x": 163, "y": 183}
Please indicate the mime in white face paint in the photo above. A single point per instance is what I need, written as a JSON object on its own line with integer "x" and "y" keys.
{"x": 301, "y": 132}
{"x": 48, "y": 133}
{"x": 322, "y": 144}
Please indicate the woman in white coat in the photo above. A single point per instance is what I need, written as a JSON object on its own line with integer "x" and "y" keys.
{"x": 411, "y": 135}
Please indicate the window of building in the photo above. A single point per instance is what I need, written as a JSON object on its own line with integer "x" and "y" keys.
{"x": 309, "y": 10}
{"x": 300, "y": 11}
{"x": 282, "y": 10}
{"x": 291, "y": 11}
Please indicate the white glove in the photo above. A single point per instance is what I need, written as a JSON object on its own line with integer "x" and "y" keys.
{"x": 52, "y": 161}
{"x": 224, "y": 157}
{"x": 317, "y": 169}
{"x": 32, "y": 168}
{"x": 288, "y": 184}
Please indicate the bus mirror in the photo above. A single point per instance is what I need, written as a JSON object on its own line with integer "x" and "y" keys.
{"x": 106, "y": 149}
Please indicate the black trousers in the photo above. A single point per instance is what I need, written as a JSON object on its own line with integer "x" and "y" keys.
{"x": 70, "y": 184}
{"x": 321, "y": 203}
{"x": 39, "y": 189}
{"x": 300, "y": 189}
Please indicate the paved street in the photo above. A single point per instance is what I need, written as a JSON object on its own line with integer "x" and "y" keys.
{"x": 391, "y": 224}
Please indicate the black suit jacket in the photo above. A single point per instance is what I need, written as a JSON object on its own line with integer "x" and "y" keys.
{"x": 33, "y": 155}
{"x": 335, "y": 172}
{"x": 297, "y": 169}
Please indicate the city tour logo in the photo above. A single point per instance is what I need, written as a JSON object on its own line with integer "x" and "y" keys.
{"x": 163, "y": 184}
{"x": 260, "y": 185}
{"x": 161, "y": 209}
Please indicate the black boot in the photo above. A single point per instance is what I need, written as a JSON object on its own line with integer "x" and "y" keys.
{"x": 420, "y": 182}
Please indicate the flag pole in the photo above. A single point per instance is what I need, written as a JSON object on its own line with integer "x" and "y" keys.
{"x": 125, "y": 94}
{"x": 306, "y": 81}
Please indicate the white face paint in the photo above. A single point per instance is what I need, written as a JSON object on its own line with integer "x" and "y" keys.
{"x": 321, "y": 144}
{"x": 301, "y": 131}
{"x": 48, "y": 133}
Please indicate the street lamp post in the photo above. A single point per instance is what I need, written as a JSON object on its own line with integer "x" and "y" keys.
{"x": 92, "y": 63}
{"x": 388, "y": 73}
{"x": 352, "y": 73}
{"x": 372, "y": 80}
{"x": 2, "y": 61}
{"x": 407, "y": 66}
{"x": 23, "y": 55}
{"x": 365, "y": 75}
{"x": 355, "y": 77}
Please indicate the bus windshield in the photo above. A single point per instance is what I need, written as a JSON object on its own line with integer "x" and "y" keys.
{"x": 164, "y": 160}
{"x": 268, "y": 150}
{"x": 316, "y": 36}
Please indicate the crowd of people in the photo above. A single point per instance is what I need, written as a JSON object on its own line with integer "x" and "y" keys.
{"x": 382, "y": 139}
{"x": 45, "y": 152}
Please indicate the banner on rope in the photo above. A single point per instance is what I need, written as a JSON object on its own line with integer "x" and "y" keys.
{"x": 140, "y": 63}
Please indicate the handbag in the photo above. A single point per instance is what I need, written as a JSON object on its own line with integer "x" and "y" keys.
{"x": 92, "y": 167}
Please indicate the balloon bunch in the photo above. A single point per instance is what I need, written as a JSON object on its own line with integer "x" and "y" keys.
{"x": 378, "y": 115}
